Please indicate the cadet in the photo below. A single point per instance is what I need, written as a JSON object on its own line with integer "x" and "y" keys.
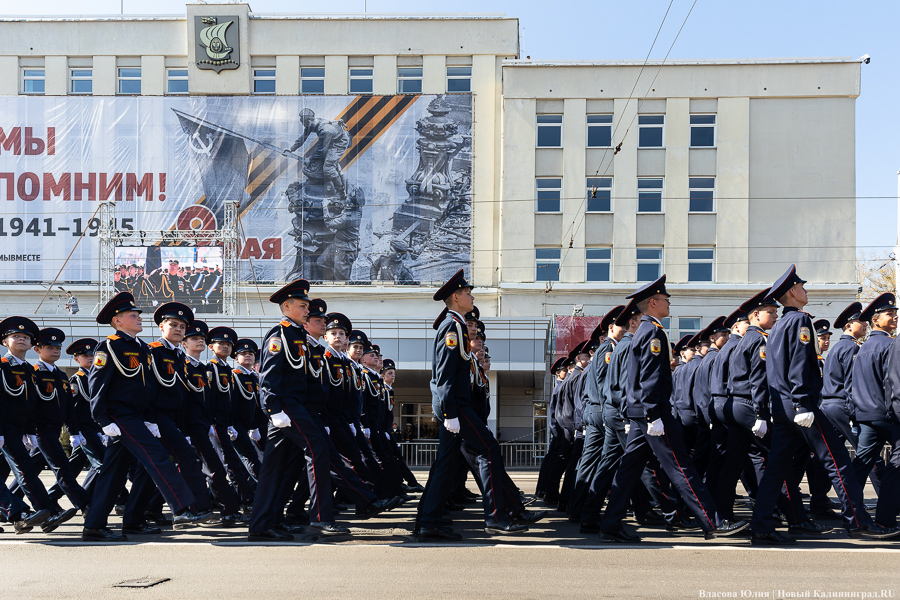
{"x": 717, "y": 335}
{"x": 389, "y": 374}
{"x": 838, "y": 373}
{"x": 121, "y": 397}
{"x": 245, "y": 413}
{"x": 795, "y": 384}
{"x": 451, "y": 389}
{"x": 654, "y": 429}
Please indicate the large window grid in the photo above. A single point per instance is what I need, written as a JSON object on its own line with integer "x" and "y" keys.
{"x": 700, "y": 264}
{"x": 548, "y": 191}
{"x": 598, "y": 263}
{"x": 459, "y": 79}
{"x": 703, "y": 131}
{"x": 81, "y": 81}
{"x": 702, "y": 192}
{"x": 599, "y": 131}
{"x": 546, "y": 264}
{"x": 549, "y": 131}
{"x": 650, "y": 198}
{"x": 649, "y": 263}
{"x": 599, "y": 194}
{"x": 129, "y": 81}
{"x": 409, "y": 80}
{"x": 361, "y": 79}
{"x": 651, "y": 131}
{"x": 312, "y": 80}
{"x": 264, "y": 81}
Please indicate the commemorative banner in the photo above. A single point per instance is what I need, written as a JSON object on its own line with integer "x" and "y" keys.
{"x": 330, "y": 188}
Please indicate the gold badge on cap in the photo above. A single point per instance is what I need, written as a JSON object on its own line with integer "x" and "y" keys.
{"x": 804, "y": 335}
{"x": 655, "y": 346}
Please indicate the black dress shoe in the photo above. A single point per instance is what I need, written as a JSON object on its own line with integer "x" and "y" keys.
{"x": 430, "y": 534}
{"x": 809, "y": 528}
{"x": 301, "y": 517}
{"x": 874, "y": 532}
{"x": 454, "y": 506}
{"x": 503, "y": 528}
{"x": 188, "y": 518}
{"x": 287, "y": 528}
{"x": 652, "y": 518}
{"x": 679, "y": 524}
{"x": 727, "y": 529}
{"x": 527, "y": 516}
{"x": 771, "y": 539}
{"x": 377, "y": 506}
{"x": 140, "y": 528}
{"x": 269, "y": 535}
{"x": 27, "y": 520}
{"x": 154, "y": 517}
{"x": 825, "y": 512}
{"x": 230, "y": 521}
{"x": 589, "y": 527}
{"x": 416, "y": 488}
{"x": 102, "y": 535}
{"x": 119, "y": 510}
{"x": 58, "y": 519}
{"x": 620, "y": 537}
{"x": 326, "y": 528}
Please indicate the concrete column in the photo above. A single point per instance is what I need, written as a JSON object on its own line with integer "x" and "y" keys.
{"x": 9, "y": 75}
{"x": 385, "y": 75}
{"x": 732, "y": 182}
{"x": 56, "y": 77}
{"x": 495, "y": 395}
{"x": 573, "y": 191}
{"x": 624, "y": 269}
{"x": 434, "y": 74}
{"x": 517, "y": 220}
{"x": 485, "y": 76}
{"x": 336, "y": 74}
{"x": 287, "y": 75}
{"x": 675, "y": 188}
{"x": 104, "y": 72}
{"x": 153, "y": 75}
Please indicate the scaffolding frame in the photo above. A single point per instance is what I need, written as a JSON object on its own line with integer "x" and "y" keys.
{"x": 226, "y": 236}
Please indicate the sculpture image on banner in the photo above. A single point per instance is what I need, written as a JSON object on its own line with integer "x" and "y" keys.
{"x": 329, "y": 188}
{"x": 155, "y": 275}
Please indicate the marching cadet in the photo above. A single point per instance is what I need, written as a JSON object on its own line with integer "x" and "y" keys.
{"x": 838, "y": 373}
{"x": 889, "y": 497}
{"x": 819, "y": 483}
{"x": 451, "y": 384}
{"x": 823, "y": 332}
{"x": 87, "y": 447}
{"x": 54, "y": 408}
{"x": 221, "y": 341}
{"x": 245, "y": 403}
{"x": 199, "y": 421}
{"x": 878, "y": 425}
{"x": 694, "y": 437}
{"x": 121, "y": 398}
{"x": 592, "y": 416}
{"x": 717, "y": 335}
{"x": 19, "y": 403}
{"x": 795, "y": 384}
{"x": 389, "y": 374}
{"x": 653, "y": 428}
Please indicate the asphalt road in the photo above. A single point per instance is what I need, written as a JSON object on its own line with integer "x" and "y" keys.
{"x": 382, "y": 560}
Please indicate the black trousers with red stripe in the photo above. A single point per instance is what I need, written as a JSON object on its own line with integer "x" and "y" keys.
{"x": 675, "y": 461}
{"x": 787, "y": 440}
{"x": 440, "y": 478}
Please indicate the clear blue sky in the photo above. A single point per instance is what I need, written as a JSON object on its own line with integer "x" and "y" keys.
{"x": 716, "y": 29}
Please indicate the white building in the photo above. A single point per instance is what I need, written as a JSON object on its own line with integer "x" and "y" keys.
{"x": 719, "y": 174}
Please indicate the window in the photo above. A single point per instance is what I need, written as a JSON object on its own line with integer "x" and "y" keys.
{"x": 176, "y": 81}
{"x": 688, "y": 325}
{"x": 549, "y": 131}
{"x": 703, "y": 131}
{"x": 130, "y": 80}
{"x": 702, "y": 191}
{"x": 421, "y": 417}
{"x": 263, "y": 81}
{"x": 666, "y": 322}
{"x": 700, "y": 264}
{"x": 547, "y": 192}
{"x": 599, "y": 194}
{"x": 649, "y": 264}
{"x": 599, "y": 131}
{"x": 81, "y": 81}
{"x": 409, "y": 80}
{"x": 650, "y": 131}
{"x": 598, "y": 260}
{"x": 650, "y": 194}
{"x": 312, "y": 80}
{"x": 32, "y": 81}
{"x": 361, "y": 80}
{"x": 459, "y": 79}
{"x": 547, "y": 264}
{"x": 540, "y": 423}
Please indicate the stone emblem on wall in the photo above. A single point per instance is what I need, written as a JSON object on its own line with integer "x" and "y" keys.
{"x": 219, "y": 39}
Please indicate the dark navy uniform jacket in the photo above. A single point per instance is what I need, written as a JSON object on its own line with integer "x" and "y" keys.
{"x": 564, "y": 417}
{"x": 221, "y": 382}
{"x": 245, "y": 400}
{"x": 452, "y": 370}
{"x": 598, "y": 368}
{"x": 283, "y": 370}
{"x": 838, "y": 376}
{"x": 869, "y": 377}
{"x": 650, "y": 374}
{"x": 198, "y": 408}
{"x": 682, "y": 392}
{"x": 81, "y": 400}
{"x": 317, "y": 386}
{"x": 121, "y": 381}
{"x": 617, "y": 379}
{"x": 700, "y": 394}
{"x": 580, "y": 399}
{"x": 17, "y": 396}
{"x": 168, "y": 368}
{"x": 747, "y": 370}
{"x": 719, "y": 376}
{"x": 892, "y": 379}
{"x": 481, "y": 395}
{"x": 388, "y": 399}
{"x": 372, "y": 405}
{"x": 554, "y": 403}
{"x": 792, "y": 366}
{"x": 339, "y": 379}
{"x": 55, "y": 405}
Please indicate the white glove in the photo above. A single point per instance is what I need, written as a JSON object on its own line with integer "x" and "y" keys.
{"x": 153, "y": 427}
{"x": 367, "y": 432}
{"x": 2, "y": 441}
{"x": 104, "y": 439}
{"x": 387, "y": 435}
{"x": 281, "y": 420}
{"x": 187, "y": 438}
{"x": 760, "y": 428}
{"x": 627, "y": 428}
{"x": 656, "y": 428}
{"x": 255, "y": 436}
{"x": 76, "y": 440}
{"x": 112, "y": 430}
{"x": 805, "y": 419}
{"x": 452, "y": 425}
{"x": 30, "y": 442}
{"x": 352, "y": 428}
{"x": 212, "y": 431}
{"x": 328, "y": 430}
{"x": 232, "y": 433}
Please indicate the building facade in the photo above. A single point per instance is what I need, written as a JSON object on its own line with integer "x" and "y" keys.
{"x": 586, "y": 178}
